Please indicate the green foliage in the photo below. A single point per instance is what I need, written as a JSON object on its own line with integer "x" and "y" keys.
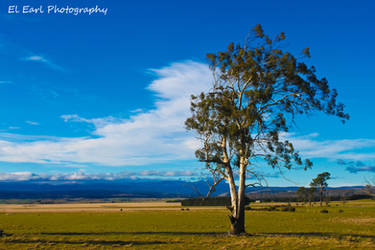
{"x": 321, "y": 180}
{"x": 258, "y": 90}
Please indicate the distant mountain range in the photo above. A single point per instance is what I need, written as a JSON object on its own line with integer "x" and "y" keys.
{"x": 126, "y": 189}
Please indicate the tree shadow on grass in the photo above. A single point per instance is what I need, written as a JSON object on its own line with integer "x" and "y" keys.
{"x": 312, "y": 234}
{"x": 134, "y": 233}
{"x": 318, "y": 234}
{"x": 91, "y": 242}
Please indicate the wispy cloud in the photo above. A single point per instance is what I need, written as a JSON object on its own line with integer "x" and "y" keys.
{"x": 82, "y": 176}
{"x": 354, "y": 169}
{"x": 157, "y": 135}
{"x": 12, "y": 137}
{"x": 43, "y": 60}
{"x": 97, "y": 122}
{"x": 32, "y": 123}
{"x": 312, "y": 147}
{"x": 17, "y": 176}
{"x": 355, "y": 166}
{"x": 13, "y": 127}
{"x": 136, "y": 111}
{"x": 152, "y": 136}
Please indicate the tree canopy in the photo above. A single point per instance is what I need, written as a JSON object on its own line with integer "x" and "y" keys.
{"x": 321, "y": 182}
{"x": 258, "y": 89}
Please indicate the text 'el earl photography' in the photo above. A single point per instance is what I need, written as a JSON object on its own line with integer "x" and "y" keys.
{"x": 57, "y": 10}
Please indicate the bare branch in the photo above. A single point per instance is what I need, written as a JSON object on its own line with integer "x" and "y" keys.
{"x": 213, "y": 186}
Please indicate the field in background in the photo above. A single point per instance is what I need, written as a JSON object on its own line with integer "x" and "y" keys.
{"x": 165, "y": 225}
{"x": 88, "y": 207}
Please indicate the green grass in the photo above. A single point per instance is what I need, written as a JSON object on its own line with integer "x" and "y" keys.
{"x": 306, "y": 228}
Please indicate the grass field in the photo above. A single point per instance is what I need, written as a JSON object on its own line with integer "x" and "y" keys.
{"x": 166, "y": 226}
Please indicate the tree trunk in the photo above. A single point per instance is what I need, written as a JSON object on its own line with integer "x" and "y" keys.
{"x": 321, "y": 197}
{"x": 238, "y": 224}
{"x": 233, "y": 191}
{"x": 326, "y": 197}
{"x": 237, "y": 218}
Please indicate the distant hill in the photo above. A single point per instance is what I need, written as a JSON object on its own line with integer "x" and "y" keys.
{"x": 105, "y": 189}
{"x": 137, "y": 189}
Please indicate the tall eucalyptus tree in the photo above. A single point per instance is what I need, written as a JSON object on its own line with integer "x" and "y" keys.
{"x": 258, "y": 89}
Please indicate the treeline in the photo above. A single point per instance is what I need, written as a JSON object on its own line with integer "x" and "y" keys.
{"x": 225, "y": 201}
{"x": 210, "y": 201}
{"x": 315, "y": 199}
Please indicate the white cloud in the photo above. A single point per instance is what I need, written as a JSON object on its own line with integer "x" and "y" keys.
{"x": 41, "y": 59}
{"x": 154, "y": 136}
{"x": 32, "y": 123}
{"x": 97, "y": 122}
{"x": 136, "y": 110}
{"x": 82, "y": 176}
{"x": 10, "y": 137}
{"x": 147, "y": 137}
{"x": 311, "y": 147}
{"x": 13, "y": 127}
{"x": 16, "y": 176}
{"x": 36, "y": 58}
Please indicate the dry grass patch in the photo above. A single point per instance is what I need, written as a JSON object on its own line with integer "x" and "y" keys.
{"x": 355, "y": 220}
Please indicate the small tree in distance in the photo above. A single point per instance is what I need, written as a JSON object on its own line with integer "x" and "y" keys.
{"x": 302, "y": 194}
{"x": 311, "y": 193}
{"x": 370, "y": 188}
{"x": 321, "y": 182}
{"x": 257, "y": 91}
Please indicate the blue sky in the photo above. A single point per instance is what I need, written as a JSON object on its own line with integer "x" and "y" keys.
{"x": 106, "y": 95}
